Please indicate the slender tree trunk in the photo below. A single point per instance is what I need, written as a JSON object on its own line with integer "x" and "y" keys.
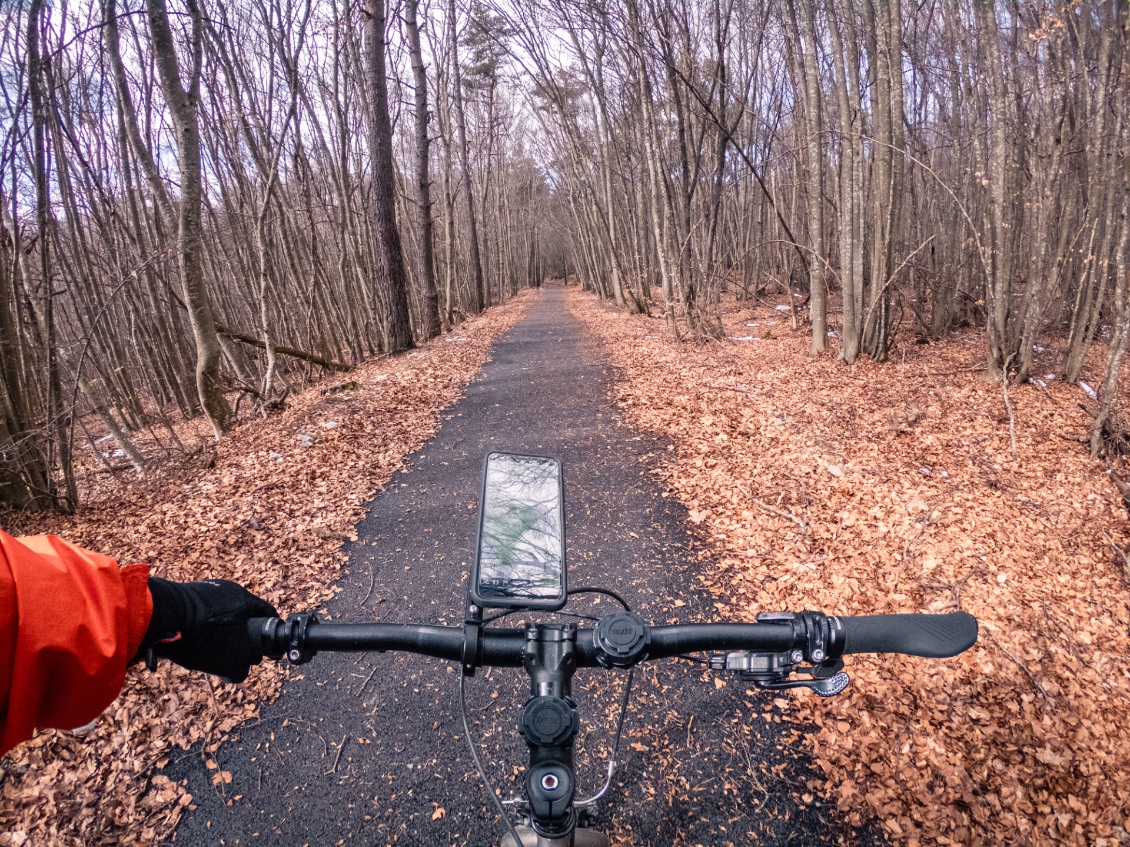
{"x": 851, "y": 188}
{"x": 999, "y": 285}
{"x": 183, "y": 105}
{"x": 477, "y": 293}
{"x": 430, "y": 324}
{"x": 651, "y": 154}
{"x": 809, "y": 75}
{"x": 24, "y": 473}
{"x": 58, "y": 442}
{"x": 390, "y": 256}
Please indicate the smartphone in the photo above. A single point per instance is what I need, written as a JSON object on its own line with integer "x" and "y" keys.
{"x": 520, "y": 561}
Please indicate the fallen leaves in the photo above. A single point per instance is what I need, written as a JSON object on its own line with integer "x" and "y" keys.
{"x": 890, "y": 488}
{"x": 269, "y": 507}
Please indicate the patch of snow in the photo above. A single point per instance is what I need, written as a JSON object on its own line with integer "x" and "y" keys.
{"x": 306, "y": 440}
{"x": 835, "y": 470}
{"x": 783, "y": 309}
{"x": 943, "y": 475}
{"x": 1090, "y": 392}
{"x": 753, "y": 324}
{"x": 743, "y": 338}
{"x": 1049, "y": 377}
{"x": 329, "y": 425}
{"x": 1038, "y": 382}
{"x": 275, "y": 457}
{"x": 455, "y": 338}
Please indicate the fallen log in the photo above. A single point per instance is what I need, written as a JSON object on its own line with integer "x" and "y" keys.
{"x": 285, "y": 351}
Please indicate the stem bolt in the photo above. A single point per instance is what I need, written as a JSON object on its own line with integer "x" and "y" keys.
{"x": 294, "y": 656}
{"x": 550, "y": 782}
{"x": 818, "y": 655}
{"x": 796, "y": 657}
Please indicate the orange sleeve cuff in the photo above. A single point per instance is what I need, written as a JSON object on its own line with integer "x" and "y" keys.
{"x": 139, "y": 605}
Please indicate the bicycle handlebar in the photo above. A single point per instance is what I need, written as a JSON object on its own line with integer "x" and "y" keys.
{"x": 929, "y": 636}
{"x": 765, "y": 653}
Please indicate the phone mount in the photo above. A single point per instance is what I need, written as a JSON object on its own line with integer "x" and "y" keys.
{"x": 472, "y": 638}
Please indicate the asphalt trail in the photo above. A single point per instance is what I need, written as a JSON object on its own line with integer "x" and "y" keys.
{"x": 368, "y": 749}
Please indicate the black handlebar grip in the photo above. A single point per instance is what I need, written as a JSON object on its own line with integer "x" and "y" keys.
{"x": 929, "y": 636}
{"x": 261, "y": 632}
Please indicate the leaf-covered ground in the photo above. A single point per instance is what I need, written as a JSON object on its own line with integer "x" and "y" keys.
{"x": 893, "y": 488}
{"x": 269, "y": 508}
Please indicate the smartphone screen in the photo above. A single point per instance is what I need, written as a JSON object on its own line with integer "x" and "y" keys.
{"x": 521, "y": 556}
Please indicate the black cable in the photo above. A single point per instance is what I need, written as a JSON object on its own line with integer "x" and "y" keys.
{"x": 694, "y": 659}
{"x": 578, "y": 616}
{"x": 478, "y": 762}
{"x": 605, "y": 591}
{"x": 501, "y": 615}
{"x": 620, "y": 722}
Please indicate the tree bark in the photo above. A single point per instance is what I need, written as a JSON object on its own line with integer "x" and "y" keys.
{"x": 809, "y": 75}
{"x": 430, "y": 324}
{"x": 477, "y": 292}
{"x": 998, "y": 287}
{"x": 390, "y": 255}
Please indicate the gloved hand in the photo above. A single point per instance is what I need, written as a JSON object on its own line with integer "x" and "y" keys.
{"x": 202, "y": 626}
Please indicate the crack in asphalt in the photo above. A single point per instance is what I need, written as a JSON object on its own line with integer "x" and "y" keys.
{"x": 368, "y": 749}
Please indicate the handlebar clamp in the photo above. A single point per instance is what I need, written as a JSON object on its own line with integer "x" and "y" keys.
{"x": 297, "y": 626}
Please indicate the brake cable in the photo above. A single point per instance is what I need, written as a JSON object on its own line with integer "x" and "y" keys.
{"x": 612, "y": 761}
{"x": 479, "y": 764}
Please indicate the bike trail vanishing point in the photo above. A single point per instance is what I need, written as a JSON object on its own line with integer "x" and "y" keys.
{"x": 368, "y": 748}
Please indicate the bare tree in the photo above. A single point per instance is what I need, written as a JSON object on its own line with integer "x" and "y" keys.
{"x": 182, "y": 104}
{"x": 398, "y": 332}
{"x": 430, "y": 325}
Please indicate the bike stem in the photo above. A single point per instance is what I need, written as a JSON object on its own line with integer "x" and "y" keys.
{"x": 550, "y": 723}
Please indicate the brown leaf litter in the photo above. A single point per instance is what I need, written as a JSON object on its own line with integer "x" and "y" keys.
{"x": 892, "y": 488}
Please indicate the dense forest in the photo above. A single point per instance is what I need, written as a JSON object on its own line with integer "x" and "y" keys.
{"x": 206, "y": 205}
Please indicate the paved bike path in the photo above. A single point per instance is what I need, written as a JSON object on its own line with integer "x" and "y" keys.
{"x": 368, "y": 749}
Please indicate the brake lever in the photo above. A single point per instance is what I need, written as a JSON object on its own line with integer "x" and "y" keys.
{"x": 826, "y": 687}
{"x": 771, "y": 671}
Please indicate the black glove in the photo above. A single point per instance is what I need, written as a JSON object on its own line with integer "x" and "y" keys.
{"x": 202, "y": 626}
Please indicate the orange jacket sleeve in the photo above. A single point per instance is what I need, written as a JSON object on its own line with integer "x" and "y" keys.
{"x": 70, "y": 620}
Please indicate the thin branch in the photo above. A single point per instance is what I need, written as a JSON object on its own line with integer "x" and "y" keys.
{"x": 803, "y": 524}
{"x": 1019, "y": 664}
